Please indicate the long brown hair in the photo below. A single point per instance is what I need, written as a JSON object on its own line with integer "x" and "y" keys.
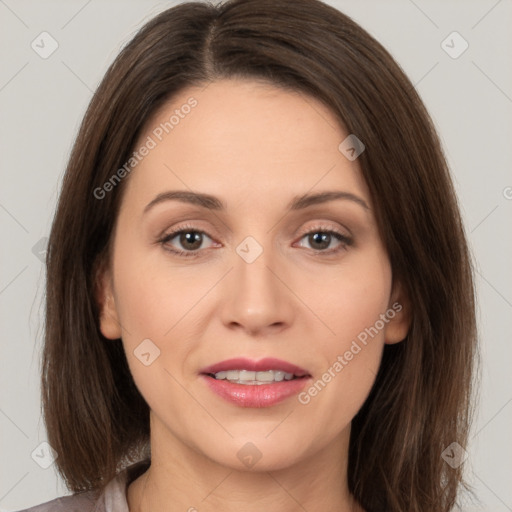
{"x": 421, "y": 402}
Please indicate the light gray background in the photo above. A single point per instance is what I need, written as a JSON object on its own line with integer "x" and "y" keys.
{"x": 42, "y": 102}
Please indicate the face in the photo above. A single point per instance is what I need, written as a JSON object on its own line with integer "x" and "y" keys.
{"x": 249, "y": 262}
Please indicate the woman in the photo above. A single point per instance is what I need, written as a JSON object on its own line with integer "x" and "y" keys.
{"x": 258, "y": 280}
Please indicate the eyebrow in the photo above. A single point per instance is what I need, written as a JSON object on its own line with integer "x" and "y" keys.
{"x": 213, "y": 203}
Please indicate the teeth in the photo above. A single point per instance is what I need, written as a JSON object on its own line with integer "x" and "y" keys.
{"x": 263, "y": 376}
{"x": 279, "y": 376}
{"x": 250, "y": 377}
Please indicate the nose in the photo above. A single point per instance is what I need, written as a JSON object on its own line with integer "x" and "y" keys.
{"x": 259, "y": 301}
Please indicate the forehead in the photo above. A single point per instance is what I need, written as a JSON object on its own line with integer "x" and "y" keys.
{"x": 240, "y": 137}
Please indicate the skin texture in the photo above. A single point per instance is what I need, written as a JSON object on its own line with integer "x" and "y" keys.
{"x": 255, "y": 147}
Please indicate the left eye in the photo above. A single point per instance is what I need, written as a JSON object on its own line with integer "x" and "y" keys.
{"x": 321, "y": 240}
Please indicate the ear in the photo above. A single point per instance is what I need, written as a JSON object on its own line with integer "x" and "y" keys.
{"x": 399, "y": 314}
{"x": 109, "y": 321}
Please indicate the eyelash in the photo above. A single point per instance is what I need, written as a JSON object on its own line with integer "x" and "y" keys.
{"x": 345, "y": 240}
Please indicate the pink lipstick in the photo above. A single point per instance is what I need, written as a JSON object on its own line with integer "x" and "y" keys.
{"x": 248, "y": 383}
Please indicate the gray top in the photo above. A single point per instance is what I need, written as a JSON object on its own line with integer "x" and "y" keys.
{"x": 112, "y": 499}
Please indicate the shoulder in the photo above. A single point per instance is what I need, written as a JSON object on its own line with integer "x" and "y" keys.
{"x": 84, "y": 502}
{"x": 112, "y": 499}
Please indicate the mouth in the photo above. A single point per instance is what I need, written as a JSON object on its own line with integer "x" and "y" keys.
{"x": 250, "y": 372}
{"x": 248, "y": 383}
{"x": 253, "y": 378}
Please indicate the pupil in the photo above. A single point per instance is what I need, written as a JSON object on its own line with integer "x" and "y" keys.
{"x": 192, "y": 238}
{"x": 321, "y": 238}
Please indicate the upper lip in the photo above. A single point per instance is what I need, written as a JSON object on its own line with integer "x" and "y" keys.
{"x": 268, "y": 363}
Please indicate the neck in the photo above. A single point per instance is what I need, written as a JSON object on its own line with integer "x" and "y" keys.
{"x": 183, "y": 479}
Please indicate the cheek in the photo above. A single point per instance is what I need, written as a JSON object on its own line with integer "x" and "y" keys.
{"x": 152, "y": 295}
{"x": 150, "y": 305}
{"x": 352, "y": 306}
{"x": 143, "y": 309}
{"x": 351, "y": 299}
{"x": 160, "y": 302}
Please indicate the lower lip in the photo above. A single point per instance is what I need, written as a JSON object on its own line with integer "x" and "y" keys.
{"x": 256, "y": 395}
